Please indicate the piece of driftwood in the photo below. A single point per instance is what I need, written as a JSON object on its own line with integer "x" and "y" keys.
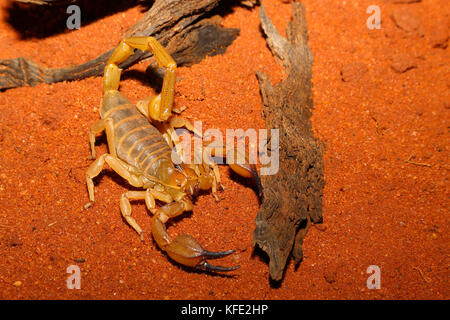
{"x": 293, "y": 196}
{"x": 46, "y": 2}
{"x": 185, "y": 28}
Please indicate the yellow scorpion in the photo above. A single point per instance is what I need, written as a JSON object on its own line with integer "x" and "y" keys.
{"x": 139, "y": 141}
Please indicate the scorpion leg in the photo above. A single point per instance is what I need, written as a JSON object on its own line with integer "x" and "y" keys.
{"x": 169, "y": 133}
{"x": 125, "y": 207}
{"x": 184, "y": 249}
{"x": 126, "y": 171}
{"x": 96, "y": 128}
{"x": 142, "y": 106}
{"x": 149, "y": 196}
{"x": 180, "y": 122}
{"x": 132, "y": 175}
{"x": 211, "y": 163}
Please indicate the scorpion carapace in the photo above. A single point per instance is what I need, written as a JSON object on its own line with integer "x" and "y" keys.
{"x": 140, "y": 140}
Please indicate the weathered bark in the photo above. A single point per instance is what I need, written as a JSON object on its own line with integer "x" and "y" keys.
{"x": 46, "y": 2}
{"x": 179, "y": 25}
{"x": 247, "y": 3}
{"x": 293, "y": 196}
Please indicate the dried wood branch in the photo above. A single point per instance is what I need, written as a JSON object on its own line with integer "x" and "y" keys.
{"x": 293, "y": 196}
{"x": 46, "y": 2}
{"x": 181, "y": 26}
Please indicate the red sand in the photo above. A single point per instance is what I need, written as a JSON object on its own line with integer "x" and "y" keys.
{"x": 386, "y": 164}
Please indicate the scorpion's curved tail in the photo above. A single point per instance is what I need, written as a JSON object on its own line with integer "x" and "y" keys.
{"x": 158, "y": 107}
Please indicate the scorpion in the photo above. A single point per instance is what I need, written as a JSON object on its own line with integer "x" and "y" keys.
{"x": 139, "y": 139}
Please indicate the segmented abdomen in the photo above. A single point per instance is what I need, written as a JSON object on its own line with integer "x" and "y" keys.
{"x": 137, "y": 142}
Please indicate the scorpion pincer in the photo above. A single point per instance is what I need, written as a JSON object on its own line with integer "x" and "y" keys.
{"x": 139, "y": 142}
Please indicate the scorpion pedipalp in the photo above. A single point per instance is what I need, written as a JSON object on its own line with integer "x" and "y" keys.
{"x": 186, "y": 250}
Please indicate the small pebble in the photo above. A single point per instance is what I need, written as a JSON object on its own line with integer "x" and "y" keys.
{"x": 402, "y": 63}
{"x": 17, "y": 283}
{"x": 406, "y": 20}
{"x": 353, "y": 71}
{"x": 438, "y": 36}
{"x": 330, "y": 277}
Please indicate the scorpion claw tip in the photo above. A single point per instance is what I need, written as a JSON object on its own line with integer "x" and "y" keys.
{"x": 216, "y": 255}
